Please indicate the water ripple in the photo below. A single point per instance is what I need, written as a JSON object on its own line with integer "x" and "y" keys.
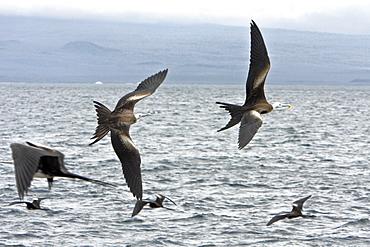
{"x": 225, "y": 196}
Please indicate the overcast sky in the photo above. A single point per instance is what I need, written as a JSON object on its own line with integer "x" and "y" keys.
{"x": 349, "y": 16}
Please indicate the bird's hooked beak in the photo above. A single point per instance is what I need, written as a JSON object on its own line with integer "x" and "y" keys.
{"x": 280, "y": 105}
{"x": 141, "y": 115}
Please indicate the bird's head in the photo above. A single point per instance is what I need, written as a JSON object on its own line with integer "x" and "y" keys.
{"x": 280, "y": 105}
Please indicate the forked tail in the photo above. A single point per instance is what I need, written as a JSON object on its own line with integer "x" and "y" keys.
{"x": 103, "y": 127}
{"x": 235, "y": 112}
{"x": 72, "y": 175}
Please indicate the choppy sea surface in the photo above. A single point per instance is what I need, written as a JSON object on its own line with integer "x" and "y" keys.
{"x": 225, "y": 196}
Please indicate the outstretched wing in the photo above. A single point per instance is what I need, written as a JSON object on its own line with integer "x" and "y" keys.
{"x": 160, "y": 198}
{"x": 258, "y": 68}
{"x": 13, "y": 203}
{"x": 138, "y": 207}
{"x": 144, "y": 89}
{"x": 300, "y": 202}
{"x": 277, "y": 218}
{"x": 59, "y": 155}
{"x": 37, "y": 202}
{"x": 251, "y": 122}
{"x": 130, "y": 159}
{"x": 26, "y": 162}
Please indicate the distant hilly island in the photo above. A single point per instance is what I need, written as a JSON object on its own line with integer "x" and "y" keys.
{"x": 70, "y": 51}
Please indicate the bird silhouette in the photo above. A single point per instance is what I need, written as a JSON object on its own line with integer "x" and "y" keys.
{"x": 118, "y": 123}
{"x": 35, "y": 161}
{"x": 158, "y": 203}
{"x": 255, "y": 104}
{"x": 296, "y": 211}
{"x": 35, "y": 204}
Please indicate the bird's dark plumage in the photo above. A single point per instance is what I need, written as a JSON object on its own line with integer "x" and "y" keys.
{"x": 118, "y": 122}
{"x": 35, "y": 204}
{"x": 35, "y": 161}
{"x": 255, "y": 104}
{"x": 158, "y": 203}
{"x": 296, "y": 211}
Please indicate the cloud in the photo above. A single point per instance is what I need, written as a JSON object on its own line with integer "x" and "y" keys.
{"x": 351, "y": 20}
{"x": 341, "y": 17}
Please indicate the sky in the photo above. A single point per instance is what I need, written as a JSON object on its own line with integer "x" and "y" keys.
{"x": 347, "y": 17}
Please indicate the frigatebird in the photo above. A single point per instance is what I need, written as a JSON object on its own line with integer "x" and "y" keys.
{"x": 35, "y": 204}
{"x": 118, "y": 123}
{"x": 255, "y": 104}
{"x": 35, "y": 161}
{"x": 296, "y": 211}
{"x": 158, "y": 203}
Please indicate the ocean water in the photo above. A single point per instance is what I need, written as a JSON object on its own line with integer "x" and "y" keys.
{"x": 225, "y": 196}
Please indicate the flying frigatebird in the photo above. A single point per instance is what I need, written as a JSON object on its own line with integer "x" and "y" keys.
{"x": 255, "y": 104}
{"x": 35, "y": 204}
{"x": 296, "y": 211}
{"x": 158, "y": 203}
{"x": 118, "y": 123}
{"x": 35, "y": 161}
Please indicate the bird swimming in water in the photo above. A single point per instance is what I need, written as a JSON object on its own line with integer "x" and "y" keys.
{"x": 35, "y": 204}
{"x": 255, "y": 104}
{"x": 118, "y": 123}
{"x": 35, "y": 161}
{"x": 296, "y": 211}
{"x": 158, "y": 203}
